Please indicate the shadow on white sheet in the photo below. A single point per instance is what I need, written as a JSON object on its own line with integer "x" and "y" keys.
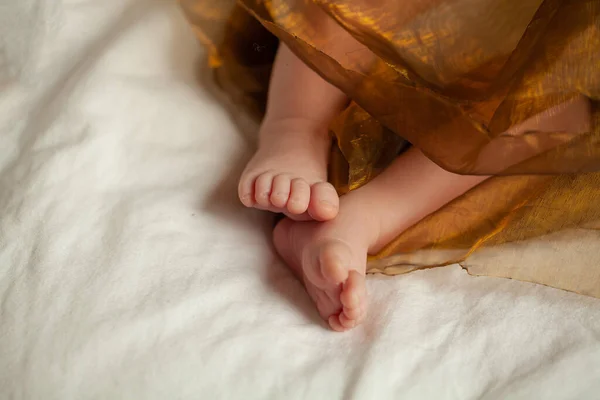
{"x": 129, "y": 271}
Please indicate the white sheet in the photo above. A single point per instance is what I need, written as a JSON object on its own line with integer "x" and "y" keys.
{"x": 129, "y": 271}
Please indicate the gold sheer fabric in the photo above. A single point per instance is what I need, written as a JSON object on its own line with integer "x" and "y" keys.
{"x": 452, "y": 77}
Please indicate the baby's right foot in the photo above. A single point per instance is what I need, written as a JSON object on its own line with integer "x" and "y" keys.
{"x": 330, "y": 258}
{"x": 288, "y": 173}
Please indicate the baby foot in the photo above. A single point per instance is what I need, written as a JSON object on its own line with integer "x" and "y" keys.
{"x": 330, "y": 258}
{"x": 288, "y": 174}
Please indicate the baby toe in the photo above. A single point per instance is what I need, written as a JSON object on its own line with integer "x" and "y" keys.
{"x": 324, "y": 202}
{"x": 346, "y": 322}
{"x": 280, "y": 191}
{"x": 335, "y": 324}
{"x": 262, "y": 190}
{"x": 356, "y": 314}
{"x": 246, "y": 190}
{"x": 299, "y": 196}
{"x": 333, "y": 262}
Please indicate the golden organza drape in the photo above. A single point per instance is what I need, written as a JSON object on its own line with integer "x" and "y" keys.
{"x": 451, "y": 77}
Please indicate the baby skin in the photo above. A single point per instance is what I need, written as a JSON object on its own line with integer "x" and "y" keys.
{"x": 325, "y": 240}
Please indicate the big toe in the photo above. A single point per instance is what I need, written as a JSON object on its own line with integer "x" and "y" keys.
{"x": 324, "y": 202}
{"x": 326, "y": 265}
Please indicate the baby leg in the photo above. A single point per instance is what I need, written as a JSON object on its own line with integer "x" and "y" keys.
{"x": 330, "y": 257}
{"x": 288, "y": 173}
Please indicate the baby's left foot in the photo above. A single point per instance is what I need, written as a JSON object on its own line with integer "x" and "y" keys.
{"x": 288, "y": 173}
{"x": 330, "y": 257}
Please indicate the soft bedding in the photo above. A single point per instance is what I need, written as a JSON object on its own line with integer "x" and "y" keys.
{"x": 128, "y": 270}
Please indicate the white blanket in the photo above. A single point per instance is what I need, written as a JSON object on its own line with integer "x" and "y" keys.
{"x": 128, "y": 270}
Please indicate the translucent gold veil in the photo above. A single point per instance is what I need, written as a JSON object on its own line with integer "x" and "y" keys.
{"x": 452, "y": 77}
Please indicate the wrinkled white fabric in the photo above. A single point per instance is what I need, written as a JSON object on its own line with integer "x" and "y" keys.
{"x": 129, "y": 271}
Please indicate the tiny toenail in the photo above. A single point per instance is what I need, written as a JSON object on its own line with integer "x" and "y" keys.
{"x": 327, "y": 204}
{"x": 246, "y": 199}
{"x": 355, "y": 298}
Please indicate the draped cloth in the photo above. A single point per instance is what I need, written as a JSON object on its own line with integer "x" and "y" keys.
{"x": 454, "y": 78}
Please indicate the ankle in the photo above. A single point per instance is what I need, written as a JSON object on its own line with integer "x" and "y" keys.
{"x": 355, "y": 206}
{"x": 293, "y": 127}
